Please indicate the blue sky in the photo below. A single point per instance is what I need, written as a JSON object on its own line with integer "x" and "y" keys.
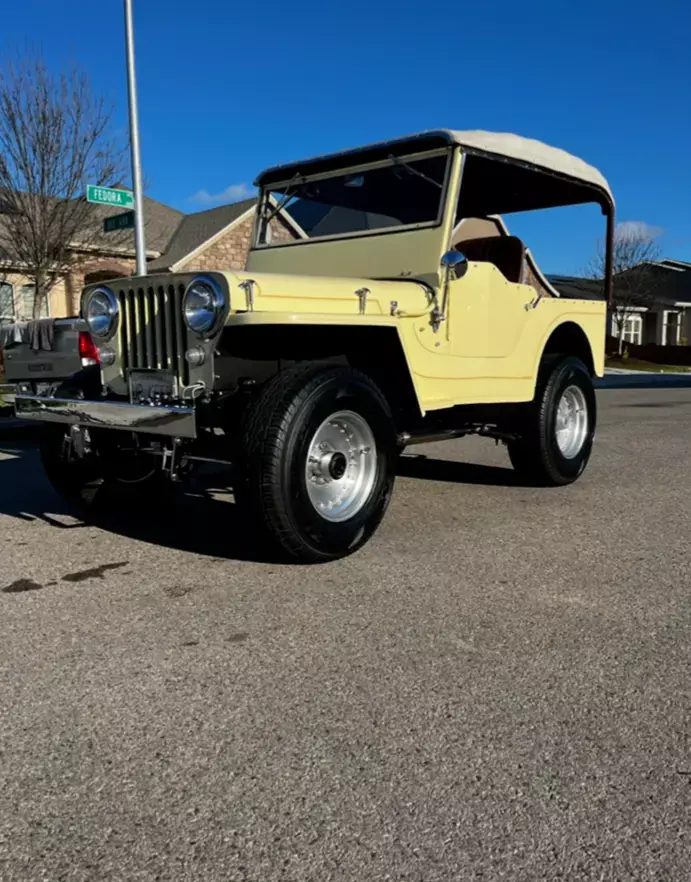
{"x": 228, "y": 88}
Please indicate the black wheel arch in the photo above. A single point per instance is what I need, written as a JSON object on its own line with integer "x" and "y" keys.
{"x": 261, "y": 351}
{"x": 569, "y": 338}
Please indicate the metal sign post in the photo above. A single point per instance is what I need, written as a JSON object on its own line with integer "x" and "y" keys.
{"x": 139, "y": 238}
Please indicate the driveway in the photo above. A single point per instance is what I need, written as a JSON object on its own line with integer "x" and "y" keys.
{"x": 496, "y": 687}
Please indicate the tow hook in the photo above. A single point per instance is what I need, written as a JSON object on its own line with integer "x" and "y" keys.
{"x": 173, "y": 460}
{"x": 78, "y": 442}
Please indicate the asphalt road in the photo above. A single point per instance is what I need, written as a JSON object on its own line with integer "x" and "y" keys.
{"x": 497, "y": 687}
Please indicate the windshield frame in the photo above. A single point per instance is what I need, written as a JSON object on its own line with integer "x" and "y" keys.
{"x": 268, "y": 202}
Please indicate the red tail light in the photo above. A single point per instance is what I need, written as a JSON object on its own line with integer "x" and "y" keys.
{"x": 87, "y": 349}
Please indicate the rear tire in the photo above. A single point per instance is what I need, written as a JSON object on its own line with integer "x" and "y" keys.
{"x": 558, "y": 427}
{"x": 315, "y": 470}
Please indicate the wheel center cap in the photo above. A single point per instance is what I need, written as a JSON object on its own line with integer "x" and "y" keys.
{"x": 337, "y": 466}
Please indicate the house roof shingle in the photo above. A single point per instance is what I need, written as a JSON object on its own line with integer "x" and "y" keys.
{"x": 169, "y": 232}
{"x": 578, "y": 288}
{"x": 161, "y": 222}
{"x": 667, "y": 283}
{"x": 195, "y": 229}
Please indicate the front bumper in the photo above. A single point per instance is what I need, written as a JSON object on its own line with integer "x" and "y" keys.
{"x": 173, "y": 422}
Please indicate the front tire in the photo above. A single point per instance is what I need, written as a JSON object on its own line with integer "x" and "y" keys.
{"x": 317, "y": 462}
{"x": 558, "y": 427}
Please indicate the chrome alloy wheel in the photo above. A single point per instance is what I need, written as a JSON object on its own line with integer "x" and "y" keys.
{"x": 571, "y": 427}
{"x": 341, "y": 466}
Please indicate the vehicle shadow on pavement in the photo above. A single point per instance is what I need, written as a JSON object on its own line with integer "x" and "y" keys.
{"x": 198, "y": 522}
{"x": 429, "y": 469}
{"x": 203, "y": 520}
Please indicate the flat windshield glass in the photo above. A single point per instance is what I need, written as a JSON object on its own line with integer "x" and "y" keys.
{"x": 401, "y": 193}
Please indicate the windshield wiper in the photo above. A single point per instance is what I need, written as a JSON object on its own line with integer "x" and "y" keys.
{"x": 288, "y": 194}
{"x": 413, "y": 171}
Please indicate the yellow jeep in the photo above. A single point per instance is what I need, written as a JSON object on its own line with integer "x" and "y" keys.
{"x": 384, "y": 304}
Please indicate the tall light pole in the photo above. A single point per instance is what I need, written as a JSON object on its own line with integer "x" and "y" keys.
{"x": 139, "y": 238}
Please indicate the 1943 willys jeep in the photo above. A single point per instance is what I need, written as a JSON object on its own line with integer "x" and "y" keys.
{"x": 384, "y": 304}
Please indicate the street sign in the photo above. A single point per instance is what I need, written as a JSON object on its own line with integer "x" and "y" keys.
{"x": 109, "y": 196}
{"x": 123, "y": 221}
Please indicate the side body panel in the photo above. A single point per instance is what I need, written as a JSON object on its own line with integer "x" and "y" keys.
{"x": 488, "y": 350}
{"x": 507, "y": 371}
{"x": 490, "y": 346}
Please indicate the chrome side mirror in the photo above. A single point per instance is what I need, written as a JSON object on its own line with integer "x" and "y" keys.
{"x": 454, "y": 260}
{"x": 455, "y": 265}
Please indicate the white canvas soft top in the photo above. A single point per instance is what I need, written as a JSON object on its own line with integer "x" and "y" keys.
{"x": 502, "y": 144}
{"x": 533, "y": 152}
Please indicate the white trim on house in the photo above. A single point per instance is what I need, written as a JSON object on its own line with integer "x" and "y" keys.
{"x": 631, "y": 309}
{"x": 671, "y": 263}
{"x": 111, "y": 251}
{"x": 666, "y": 325}
{"x": 632, "y": 334}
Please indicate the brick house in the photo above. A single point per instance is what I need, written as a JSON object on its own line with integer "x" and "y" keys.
{"x": 218, "y": 238}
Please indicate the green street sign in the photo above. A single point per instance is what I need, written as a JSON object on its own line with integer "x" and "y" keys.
{"x": 119, "y": 222}
{"x": 109, "y": 196}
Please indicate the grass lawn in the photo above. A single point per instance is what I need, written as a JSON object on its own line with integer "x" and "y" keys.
{"x": 633, "y": 364}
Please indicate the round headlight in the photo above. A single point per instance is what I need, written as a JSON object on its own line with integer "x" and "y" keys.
{"x": 101, "y": 312}
{"x": 203, "y": 305}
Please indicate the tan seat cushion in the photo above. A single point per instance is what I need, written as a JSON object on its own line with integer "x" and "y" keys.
{"x": 507, "y": 253}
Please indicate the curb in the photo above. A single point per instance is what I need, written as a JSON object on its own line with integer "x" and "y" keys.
{"x": 641, "y": 381}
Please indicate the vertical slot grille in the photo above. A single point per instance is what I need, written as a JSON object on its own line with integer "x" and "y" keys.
{"x": 152, "y": 330}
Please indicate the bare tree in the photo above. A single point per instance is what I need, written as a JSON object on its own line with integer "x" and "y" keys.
{"x": 634, "y": 282}
{"x": 53, "y": 140}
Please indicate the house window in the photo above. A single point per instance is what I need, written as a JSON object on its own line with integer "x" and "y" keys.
{"x": 6, "y": 301}
{"x": 28, "y": 297}
{"x": 671, "y": 328}
{"x": 633, "y": 330}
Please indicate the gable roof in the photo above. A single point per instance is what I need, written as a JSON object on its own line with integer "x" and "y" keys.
{"x": 577, "y": 287}
{"x": 171, "y": 235}
{"x": 161, "y": 223}
{"x": 668, "y": 284}
{"x": 196, "y": 229}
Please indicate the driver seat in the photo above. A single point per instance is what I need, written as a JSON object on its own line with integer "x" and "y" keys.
{"x": 507, "y": 253}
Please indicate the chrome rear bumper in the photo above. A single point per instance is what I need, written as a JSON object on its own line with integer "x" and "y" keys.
{"x": 174, "y": 422}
